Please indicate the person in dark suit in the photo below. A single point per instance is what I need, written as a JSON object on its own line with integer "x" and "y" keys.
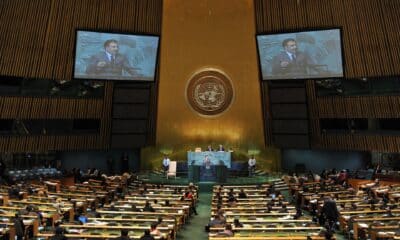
{"x": 19, "y": 227}
{"x": 59, "y": 234}
{"x": 291, "y": 61}
{"x": 147, "y": 235}
{"x": 110, "y": 62}
{"x": 124, "y": 235}
{"x": 242, "y": 194}
{"x": 329, "y": 211}
{"x": 124, "y": 162}
{"x": 110, "y": 165}
{"x": 147, "y": 207}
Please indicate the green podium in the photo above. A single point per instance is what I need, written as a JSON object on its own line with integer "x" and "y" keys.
{"x": 221, "y": 173}
{"x": 194, "y": 173}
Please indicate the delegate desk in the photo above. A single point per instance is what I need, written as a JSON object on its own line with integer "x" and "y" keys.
{"x": 213, "y": 170}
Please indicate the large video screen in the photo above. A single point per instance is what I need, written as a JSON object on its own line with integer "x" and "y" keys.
{"x": 301, "y": 55}
{"x": 115, "y": 56}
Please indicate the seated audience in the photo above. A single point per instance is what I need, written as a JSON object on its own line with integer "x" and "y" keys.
{"x": 242, "y": 194}
{"x": 148, "y": 207}
{"x": 237, "y": 223}
{"x": 217, "y": 221}
{"x": 227, "y": 231}
{"x": 147, "y": 235}
{"x": 124, "y": 235}
{"x": 154, "y": 230}
{"x": 59, "y": 234}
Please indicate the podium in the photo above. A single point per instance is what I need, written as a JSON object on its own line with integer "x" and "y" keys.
{"x": 194, "y": 173}
{"x": 221, "y": 173}
{"x": 216, "y": 158}
{"x": 215, "y": 169}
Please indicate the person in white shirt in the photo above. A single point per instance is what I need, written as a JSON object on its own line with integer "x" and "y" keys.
{"x": 251, "y": 165}
{"x": 165, "y": 163}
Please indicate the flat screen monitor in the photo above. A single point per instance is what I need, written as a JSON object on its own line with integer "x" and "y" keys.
{"x": 115, "y": 56}
{"x": 301, "y": 55}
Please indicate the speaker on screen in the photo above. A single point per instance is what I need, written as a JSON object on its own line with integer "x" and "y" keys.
{"x": 115, "y": 56}
{"x": 301, "y": 55}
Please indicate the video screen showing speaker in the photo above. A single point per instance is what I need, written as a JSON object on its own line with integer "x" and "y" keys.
{"x": 301, "y": 55}
{"x": 115, "y": 56}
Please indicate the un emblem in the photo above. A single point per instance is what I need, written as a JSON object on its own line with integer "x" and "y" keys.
{"x": 209, "y": 92}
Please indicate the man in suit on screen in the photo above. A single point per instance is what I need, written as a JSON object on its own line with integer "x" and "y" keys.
{"x": 110, "y": 62}
{"x": 290, "y": 61}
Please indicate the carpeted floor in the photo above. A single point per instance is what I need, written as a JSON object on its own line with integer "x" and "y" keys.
{"x": 194, "y": 230}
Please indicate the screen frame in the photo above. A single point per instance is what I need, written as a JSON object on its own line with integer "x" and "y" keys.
{"x": 300, "y": 30}
{"x": 133, "y": 80}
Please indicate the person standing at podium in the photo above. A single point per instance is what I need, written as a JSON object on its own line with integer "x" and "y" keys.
{"x": 165, "y": 163}
{"x": 207, "y": 162}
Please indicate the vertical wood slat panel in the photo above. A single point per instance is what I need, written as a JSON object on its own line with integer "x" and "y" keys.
{"x": 360, "y": 143}
{"x": 358, "y": 107}
{"x": 45, "y": 50}
{"x": 370, "y": 35}
{"x": 42, "y": 44}
{"x": 371, "y": 47}
{"x": 390, "y": 10}
{"x": 105, "y": 126}
{"x": 36, "y": 108}
{"x": 314, "y": 125}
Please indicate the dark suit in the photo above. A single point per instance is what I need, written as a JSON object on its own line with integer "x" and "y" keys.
{"x": 59, "y": 237}
{"x": 112, "y": 67}
{"x": 297, "y": 66}
{"x": 19, "y": 228}
{"x": 330, "y": 211}
{"x": 147, "y": 237}
{"x": 122, "y": 238}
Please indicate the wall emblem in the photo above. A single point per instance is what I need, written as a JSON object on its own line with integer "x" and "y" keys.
{"x": 209, "y": 92}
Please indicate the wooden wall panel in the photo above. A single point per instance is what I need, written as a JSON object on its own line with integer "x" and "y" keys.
{"x": 358, "y": 107}
{"x": 352, "y": 107}
{"x": 357, "y": 142}
{"x": 42, "y": 108}
{"x": 42, "y": 45}
{"x": 38, "y": 38}
{"x": 371, "y": 47}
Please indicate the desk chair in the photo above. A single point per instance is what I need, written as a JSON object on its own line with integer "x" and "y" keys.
{"x": 172, "y": 169}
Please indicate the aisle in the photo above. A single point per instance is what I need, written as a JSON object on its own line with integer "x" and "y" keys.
{"x": 194, "y": 230}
